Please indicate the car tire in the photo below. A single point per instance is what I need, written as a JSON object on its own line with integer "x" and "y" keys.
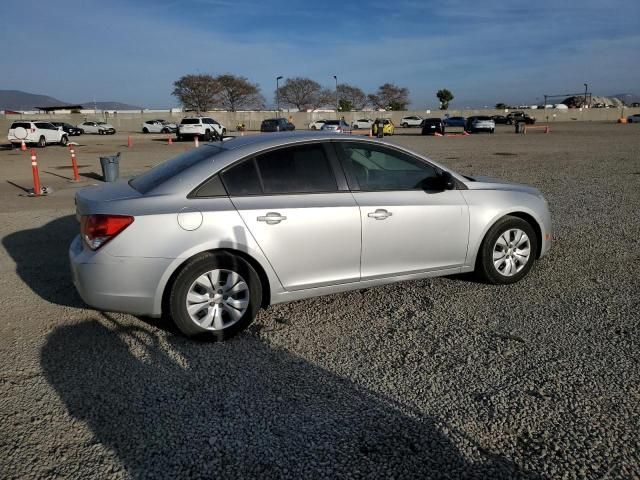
{"x": 207, "y": 136}
{"x": 405, "y": 125}
{"x": 145, "y": 130}
{"x": 64, "y": 140}
{"x": 503, "y": 237}
{"x": 492, "y": 130}
{"x": 42, "y": 142}
{"x": 230, "y": 313}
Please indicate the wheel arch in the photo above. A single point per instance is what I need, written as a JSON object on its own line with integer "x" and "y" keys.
{"x": 257, "y": 266}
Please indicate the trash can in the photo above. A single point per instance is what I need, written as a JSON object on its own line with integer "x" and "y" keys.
{"x": 110, "y": 168}
{"x": 380, "y": 129}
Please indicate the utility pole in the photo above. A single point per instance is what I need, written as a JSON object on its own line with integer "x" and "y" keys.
{"x": 278, "y": 78}
{"x": 335, "y": 77}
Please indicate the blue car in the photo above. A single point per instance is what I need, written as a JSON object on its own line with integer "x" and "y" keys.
{"x": 455, "y": 121}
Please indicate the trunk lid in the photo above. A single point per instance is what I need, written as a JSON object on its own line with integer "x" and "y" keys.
{"x": 108, "y": 198}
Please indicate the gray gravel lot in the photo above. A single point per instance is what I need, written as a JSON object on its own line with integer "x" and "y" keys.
{"x": 443, "y": 378}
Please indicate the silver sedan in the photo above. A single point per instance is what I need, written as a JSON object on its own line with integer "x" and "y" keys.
{"x": 213, "y": 235}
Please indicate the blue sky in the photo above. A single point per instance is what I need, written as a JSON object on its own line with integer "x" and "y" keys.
{"x": 489, "y": 51}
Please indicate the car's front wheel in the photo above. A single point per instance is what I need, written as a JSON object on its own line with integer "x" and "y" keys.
{"x": 508, "y": 251}
{"x": 145, "y": 130}
{"x": 216, "y": 294}
{"x": 64, "y": 140}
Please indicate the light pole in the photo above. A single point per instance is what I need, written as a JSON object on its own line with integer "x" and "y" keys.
{"x": 278, "y": 78}
{"x": 586, "y": 89}
{"x": 335, "y": 77}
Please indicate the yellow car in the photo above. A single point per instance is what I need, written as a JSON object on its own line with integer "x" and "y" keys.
{"x": 388, "y": 129}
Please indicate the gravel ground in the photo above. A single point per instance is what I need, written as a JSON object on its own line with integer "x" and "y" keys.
{"x": 443, "y": 378}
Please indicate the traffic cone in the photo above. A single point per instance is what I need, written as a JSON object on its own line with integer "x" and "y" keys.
{"x": 74, "y": 164}
{"x": 371, "y": 132}
{"x": 129, "y": 142}
{"x": 35, "y": 173}
{"x": 170, "y": 141}
{"x": 196, "y": 141}
{"x": 23, "y": 146}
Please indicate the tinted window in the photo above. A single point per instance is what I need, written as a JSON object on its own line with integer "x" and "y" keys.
{"x": 190, "y": 121}
{"x": 169, "y": 169}
{"x": 379, "y": 168}
{"x": 45, "y": 126}
{"x": 25, "y": 125}
{"x": 301, "y": 169}
{"x": 212, "y": 188}
{"x": 242, "y": 179}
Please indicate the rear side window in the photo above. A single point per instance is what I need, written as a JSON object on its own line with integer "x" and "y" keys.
{"x": 299, "y": 169}
{"x": 161, "y": 173}
{"x": 190, "y": 121}
{"x": 211, "y": 188}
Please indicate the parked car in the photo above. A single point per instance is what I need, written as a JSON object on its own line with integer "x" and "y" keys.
{"x": 455, "y": 121}
{"x": 205, "y": 128}
{"x": 213, "y": 235}
{"x": 36, "y": 132}
{"x": 388, "y": 127}
{"x": 431, "y": 126}
{"x": 316, "y": 124}
{"x": 276, "y": 125}
{"x": 68, "y": 128}
{"x": 159, "y": 126}
{"x": 101, "y": 128}
{"x": 362, "y": 123}
{"x": 339, "y": 126}
{"x": 412, "y": 121}
{"x": 515, "y": 117}
{"x": 634, "y": 118}
{"x": 499, "y": 119}
{"x": 480, "y": 124}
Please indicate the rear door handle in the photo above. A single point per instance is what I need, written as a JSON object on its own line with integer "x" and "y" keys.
{"x": 380, "y": 214}
{"x": 272, "y": 218}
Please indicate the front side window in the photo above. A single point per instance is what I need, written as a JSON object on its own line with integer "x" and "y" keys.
{"x": 378, "y": 168}
{"x": 299, "y": 169}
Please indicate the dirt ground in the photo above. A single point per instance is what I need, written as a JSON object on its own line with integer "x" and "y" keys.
{"x": 441, "y": 378}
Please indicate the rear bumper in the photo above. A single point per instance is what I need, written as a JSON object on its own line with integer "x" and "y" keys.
{"x": 116, "y": 284}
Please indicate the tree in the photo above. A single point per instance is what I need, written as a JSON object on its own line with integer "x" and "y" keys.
{"x": 390, "y": 97}
{"x": 501, "y": 106}
{"x": 237, "y": 93}
{"x": 345, "y": 105}
{"x": 303, "y": 93}
{"x": 352, "y": 96}
{"x": 445, "y": 96}
{"x": 197, "y": 92}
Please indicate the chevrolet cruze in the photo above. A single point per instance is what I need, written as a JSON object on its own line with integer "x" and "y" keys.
{"x": 213, "y": 235}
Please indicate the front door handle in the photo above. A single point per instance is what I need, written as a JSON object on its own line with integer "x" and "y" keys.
{"x": 380, "y": 214}
{"x": 272, "y": 218}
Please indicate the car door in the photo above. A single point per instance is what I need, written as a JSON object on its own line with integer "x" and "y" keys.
{"x": 301, "y": 214}
{"x": 47, "y": 130}
{"x": 409, "y": 223}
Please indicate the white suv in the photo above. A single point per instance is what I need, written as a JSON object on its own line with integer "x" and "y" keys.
{"x": 36, "y": 132}
{"x": 413, "y": 121}
{"x": 201, "y": 127}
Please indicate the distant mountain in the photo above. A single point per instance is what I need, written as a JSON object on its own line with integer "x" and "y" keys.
{"x": 110, "y": 106}
{"x": 18, "y": 100}
{"x": 627, "y": 98}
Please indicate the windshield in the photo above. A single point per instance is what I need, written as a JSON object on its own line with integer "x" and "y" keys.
{"x": 161, "y": 173}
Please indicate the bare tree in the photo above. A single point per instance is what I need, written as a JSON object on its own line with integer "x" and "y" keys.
{"x": 353, "y": 95}
{"x": 237, "y": 93}
{"x": 197, "y": 92}
{"x": 303, "y": 93}
{"x": 390, "y": 97}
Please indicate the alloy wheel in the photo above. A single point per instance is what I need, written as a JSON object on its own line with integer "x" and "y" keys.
{"x": 511, "y": 252}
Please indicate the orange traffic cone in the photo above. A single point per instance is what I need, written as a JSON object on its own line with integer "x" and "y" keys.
{"x": 371, "y": 132}
{"x": 129, "y": 142}
{"x": 196, "y": 141}
{"x": 23, "y": 146}
{"x": 170, "y": 141}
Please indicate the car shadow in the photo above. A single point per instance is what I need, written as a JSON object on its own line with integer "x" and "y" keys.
{"x": 42, "y": 260}
{"x": 170, "y": 407}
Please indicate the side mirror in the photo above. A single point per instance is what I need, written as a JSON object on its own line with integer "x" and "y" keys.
{"x": 448, "y": 182}
{"x": 444, "y": 181}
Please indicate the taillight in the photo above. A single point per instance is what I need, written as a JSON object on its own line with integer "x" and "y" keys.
{"x": 96, "y": 230}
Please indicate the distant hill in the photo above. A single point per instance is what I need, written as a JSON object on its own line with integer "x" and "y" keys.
{"x": 627, "y": 98}
{"x": 18, "y": 100}
{"x": 110, "y": 106}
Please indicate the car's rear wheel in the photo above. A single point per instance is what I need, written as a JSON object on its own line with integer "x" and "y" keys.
{"x": 145, "y": 130}
{"x": 64, "y": 140}
{"x": 165, "y": 130}
{"x": 207, "y": 136}
{"x": 42, "y": 142}
{"x": 508, "y": 251}
{"x": 216, "y": 294}
{"x": 405, "y": 125}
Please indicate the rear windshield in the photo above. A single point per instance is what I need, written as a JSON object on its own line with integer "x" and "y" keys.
{"x": 332, "y": 122}
{"x": 21, "y": 124}
{"x": 190, "y": 121}
{"x": 161, "y": 173}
